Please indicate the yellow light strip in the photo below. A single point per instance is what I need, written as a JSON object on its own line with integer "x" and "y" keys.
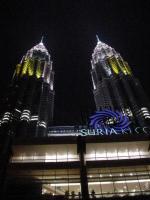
{"x": 38, "y": 70}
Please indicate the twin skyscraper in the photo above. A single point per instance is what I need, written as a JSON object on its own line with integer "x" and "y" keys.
{"x": 28, "y": 108}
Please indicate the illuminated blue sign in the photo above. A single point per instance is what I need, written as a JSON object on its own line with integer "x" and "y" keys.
{"x": 109, "y": 120}
{"x": 102, "y": 123}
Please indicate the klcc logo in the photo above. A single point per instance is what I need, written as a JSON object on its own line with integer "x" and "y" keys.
{"x": 108, "y": 119}
{"x": 107, "y": 122}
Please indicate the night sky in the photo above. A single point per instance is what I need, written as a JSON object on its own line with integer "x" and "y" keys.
{"x": 69, "y": 29}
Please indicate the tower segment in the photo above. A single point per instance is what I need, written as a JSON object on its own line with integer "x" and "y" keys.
{"x": 30, "y": 101}
{"x": 115, "y": 87}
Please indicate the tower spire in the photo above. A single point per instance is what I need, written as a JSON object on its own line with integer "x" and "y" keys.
{"x": 39, "y": 47}
{"x": 42, "y": 39}
{"x": 98, "y": 40}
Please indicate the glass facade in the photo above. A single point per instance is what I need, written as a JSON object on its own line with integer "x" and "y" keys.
{"x": 102, "y": 182}
{"x": 61, "y": 179}
{"x": 52, "y": 182}
{"x": 117, "y": 150}
{"x": 119, "y": 181}
{"x": 68, "y": 152}
{"x": 45, "y": 153}
{"x": 63, "y": 182}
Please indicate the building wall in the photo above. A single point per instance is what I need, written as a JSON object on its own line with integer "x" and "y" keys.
{"x": 114, "y": 169}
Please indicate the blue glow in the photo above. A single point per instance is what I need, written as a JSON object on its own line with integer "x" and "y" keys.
{"x": 108, "y": 119}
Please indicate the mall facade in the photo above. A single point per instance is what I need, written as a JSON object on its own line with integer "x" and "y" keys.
{"x": 108, "y": 158}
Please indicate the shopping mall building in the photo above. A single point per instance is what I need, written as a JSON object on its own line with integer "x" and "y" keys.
{"x": 107, "y": 158}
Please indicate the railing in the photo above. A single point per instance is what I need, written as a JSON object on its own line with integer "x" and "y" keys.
{"x": 119, "y": 194}
{"x": 126, "y": 195}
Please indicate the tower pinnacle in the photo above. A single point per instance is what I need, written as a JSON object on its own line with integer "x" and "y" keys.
{"x": 98, "y": 40}
{"x": 42, "y": 39}
{"x": 40, "y": 47}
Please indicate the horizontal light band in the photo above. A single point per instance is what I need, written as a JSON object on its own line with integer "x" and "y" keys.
{"x": 34, "y": 116}
{"x": 26, "y": 111}
{"x": 127, "y": 181}
{"x": 102, "y": 183}
{"x": 64, "y": 184}
{"x": 27, "y": 117}
{"x": 24, "y": 117}
{"x": 6, "y": 118}
{"x": 144, "y": 108}
{"x": 8, "y": 113}
{"x": 18, "y": 110}
{"x": 42, "y": 125}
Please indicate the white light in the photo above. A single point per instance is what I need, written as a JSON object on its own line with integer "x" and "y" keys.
{"x": 103, "y": 183}
{"x": 51, "y": 86}
{"x": 25, "y": 115}
{"x": 18, "y": 110}
{"x": 42, "y": 125}
{"x": 5, "y": 118}
{"x": 94, "y": 86}
{"x": 28, "y": 111}
{"x": 42, "y": 122}
{"x": 91, "y": 155}
{"x": 65, "y": 184}
{"x": 144, "y": 108}
{"x": 33, "y": 119}
{"x": 133, "y": 153}
{"x": 7, "y": 113}
{"x": 92, "y": 64}
{"x": 146, "y": 114}
{"x": 35, "y": 116}
{"x": 127, "y": 181}
{"x": 51, "y": 158}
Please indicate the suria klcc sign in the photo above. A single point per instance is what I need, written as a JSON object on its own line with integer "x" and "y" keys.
{"x": 102, "y": 123}
{"x": 108, "y": 122}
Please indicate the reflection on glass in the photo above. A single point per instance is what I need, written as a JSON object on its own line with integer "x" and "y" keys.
{"x": 46, "y": 153}
{"x": 117, "y": 151}
{"x": 119, "y": 181}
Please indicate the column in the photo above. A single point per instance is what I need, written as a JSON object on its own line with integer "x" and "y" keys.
{"x": 81, "y": 150}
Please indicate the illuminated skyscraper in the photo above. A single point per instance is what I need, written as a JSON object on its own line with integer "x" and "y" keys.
{"x": 115, "y": 86}
{"x": 28, "y": 108}
{"x": 73, "y": 162}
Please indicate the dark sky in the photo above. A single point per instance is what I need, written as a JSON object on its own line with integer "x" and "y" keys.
{"x": 69, "y": 28}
